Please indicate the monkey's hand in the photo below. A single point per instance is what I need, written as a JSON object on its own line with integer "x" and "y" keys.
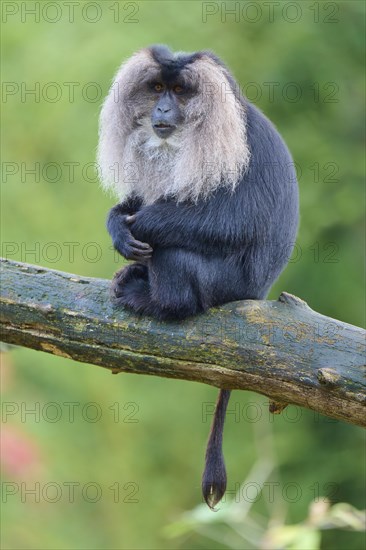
{"x": 123, "y": 241}
{"x": 129, "y": 247}
{"x": 136, "y": 231}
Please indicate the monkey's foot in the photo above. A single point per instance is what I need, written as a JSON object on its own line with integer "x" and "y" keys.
{"x": 134, "y": 295}
{"x": 133, "y": 272}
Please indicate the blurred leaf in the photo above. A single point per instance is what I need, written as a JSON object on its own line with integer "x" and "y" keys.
{"x": 292, "y": 537}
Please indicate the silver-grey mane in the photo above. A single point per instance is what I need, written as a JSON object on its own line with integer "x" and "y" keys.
{"x": 209, "y": 150}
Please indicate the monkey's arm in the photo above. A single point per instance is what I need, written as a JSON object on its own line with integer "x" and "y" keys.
{"x": 119, "y": 230}
{"x": 225, "y": 221}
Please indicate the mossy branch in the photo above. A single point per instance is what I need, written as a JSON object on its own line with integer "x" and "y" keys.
{"x": 282, "y": 349}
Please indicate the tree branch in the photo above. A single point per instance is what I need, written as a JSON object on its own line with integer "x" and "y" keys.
{"x": 282, "y": 349}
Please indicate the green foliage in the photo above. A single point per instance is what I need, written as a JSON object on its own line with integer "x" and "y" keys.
{"x": 242, "y": 526}
{"x": 157, "y": 461}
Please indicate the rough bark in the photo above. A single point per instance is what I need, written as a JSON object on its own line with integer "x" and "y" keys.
{"x": 282, "y": 349}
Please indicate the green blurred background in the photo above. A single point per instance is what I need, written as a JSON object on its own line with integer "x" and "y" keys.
{"x": 153, "y": 449}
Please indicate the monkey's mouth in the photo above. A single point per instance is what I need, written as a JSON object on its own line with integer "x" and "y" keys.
{"x": 163, "y": 130}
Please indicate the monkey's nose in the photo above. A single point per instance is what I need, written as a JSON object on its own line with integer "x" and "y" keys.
{"x": 164, "y": 110}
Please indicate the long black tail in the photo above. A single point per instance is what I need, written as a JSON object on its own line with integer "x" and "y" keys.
{"x": 214, "y": 476}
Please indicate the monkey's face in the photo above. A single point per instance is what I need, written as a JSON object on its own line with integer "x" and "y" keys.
{"x": 167, "y": 114}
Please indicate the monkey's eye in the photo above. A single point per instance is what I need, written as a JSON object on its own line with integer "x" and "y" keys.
{"x": 158, "y": 87}
{"x": 178, "y": 89}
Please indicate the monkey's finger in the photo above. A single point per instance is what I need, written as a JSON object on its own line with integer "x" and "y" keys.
{"x": 139, "y": 244}
{"x": 139, "y": 257}
{"x": 136, "y": 247}
{"x": 130, "y": 218}
{"x": 141, "y": 253}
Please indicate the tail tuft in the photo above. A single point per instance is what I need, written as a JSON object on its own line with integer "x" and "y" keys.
{"x": 214, "y": 475}
{"x": 214, "y": 490}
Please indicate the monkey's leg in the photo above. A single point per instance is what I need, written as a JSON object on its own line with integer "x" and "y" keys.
{"x": 168, "y": 291}
{"x": 174, "y": 285}
{"x": 214, "y": 475}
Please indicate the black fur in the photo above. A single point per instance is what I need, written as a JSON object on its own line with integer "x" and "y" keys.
{"x": 229, "y": 247}
{"x": 171, "y": 64}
